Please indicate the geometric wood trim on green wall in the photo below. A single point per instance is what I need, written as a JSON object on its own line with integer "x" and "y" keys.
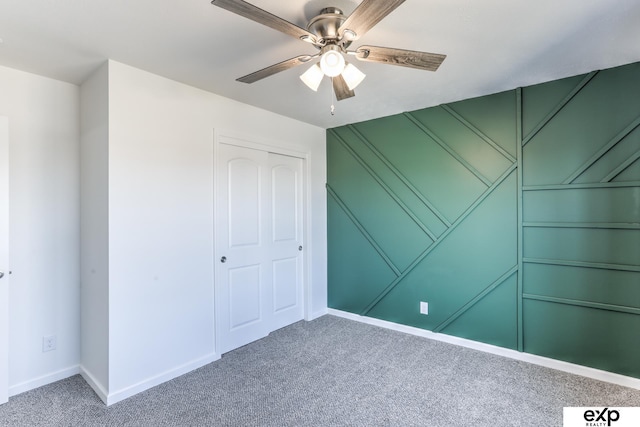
{"x": 362, "y": 230}
{"x": 559, "y": 107}
{"x": 582, "y": 224}
{"x": 520, "y": 209}
{"x": 604, "y": 150}
{"x": 581, "y": 303}
{"x": 403, "y": 179}
{"x": 361, "y": 165}
{"x": 478, "y": 132}
{"x": 476, "y": 299}
{"x": 508, "y": 214}
{"x": 449, "y": 150}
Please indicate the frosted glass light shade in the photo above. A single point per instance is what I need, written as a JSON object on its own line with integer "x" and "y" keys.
{"x": 312, "y": 77}
{"x": 332, "y": 63}
{"x": 352, "y": 76}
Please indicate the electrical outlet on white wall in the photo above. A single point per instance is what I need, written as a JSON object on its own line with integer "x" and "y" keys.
{"x": 424, "y": 307}
{"x": 48, "y": 343}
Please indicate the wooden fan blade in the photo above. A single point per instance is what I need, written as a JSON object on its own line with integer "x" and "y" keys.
{"x": 273, "y": 69}
{"x": 341, "y": 89}
{"x": 404, "y": 58}
{"x": 367, "y": 14}
{"x": 242, "y": 8}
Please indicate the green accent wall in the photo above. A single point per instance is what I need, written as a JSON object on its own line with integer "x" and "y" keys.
{"x": 516, "y": 216}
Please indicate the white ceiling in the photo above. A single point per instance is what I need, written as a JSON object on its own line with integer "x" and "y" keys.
{"x": 491, "y": 45}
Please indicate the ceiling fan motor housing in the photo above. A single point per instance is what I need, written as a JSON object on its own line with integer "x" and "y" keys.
{"x": 326, "y": 25}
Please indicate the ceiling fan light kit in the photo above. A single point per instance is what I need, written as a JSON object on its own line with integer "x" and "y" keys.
{"x": 332, "y": 64}
{"x": 312, "y": 77}
{"x": 352, "y": 76}
{"x": 331, "y": 32}
{"x": 332, "y": 61}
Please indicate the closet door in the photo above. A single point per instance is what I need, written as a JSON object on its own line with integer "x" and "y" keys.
{"x": 286, "y": 239}
{"x": 258, "y": 244}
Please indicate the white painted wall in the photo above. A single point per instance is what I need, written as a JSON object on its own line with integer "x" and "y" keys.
{"x": 160, "y": 174}
{"x": 94, "y": 226}
{"x": 44, "y": 226}
{"x": 147, "y": 258}
{"x": 5, "y": 268}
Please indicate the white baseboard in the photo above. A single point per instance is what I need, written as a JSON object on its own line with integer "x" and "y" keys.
{"x": 96, "y": 385}
{"x": 101, "y": 390}
{"x": 559, "y": 365}
{"x": 44, "y": 380}
{"x": 148, "y": 383}
{"x": 315, "y": 315}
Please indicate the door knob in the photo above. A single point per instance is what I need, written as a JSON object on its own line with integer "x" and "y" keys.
{"x": 223, "y": 259}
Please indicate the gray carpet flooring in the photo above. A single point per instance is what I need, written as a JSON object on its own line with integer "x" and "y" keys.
{"x": 333, "y": 372}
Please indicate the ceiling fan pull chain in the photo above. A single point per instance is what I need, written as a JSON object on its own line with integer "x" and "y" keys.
{"x": 333, "y": 107}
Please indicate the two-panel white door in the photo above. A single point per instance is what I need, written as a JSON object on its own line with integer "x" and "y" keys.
{"x": 4, "y": 260}
{"x": 259, "y": 230}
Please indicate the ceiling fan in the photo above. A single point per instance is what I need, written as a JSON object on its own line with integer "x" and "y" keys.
{"x": 331, "y": 32}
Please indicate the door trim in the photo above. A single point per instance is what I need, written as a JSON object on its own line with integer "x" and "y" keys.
{"x": 230, "y": 137}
